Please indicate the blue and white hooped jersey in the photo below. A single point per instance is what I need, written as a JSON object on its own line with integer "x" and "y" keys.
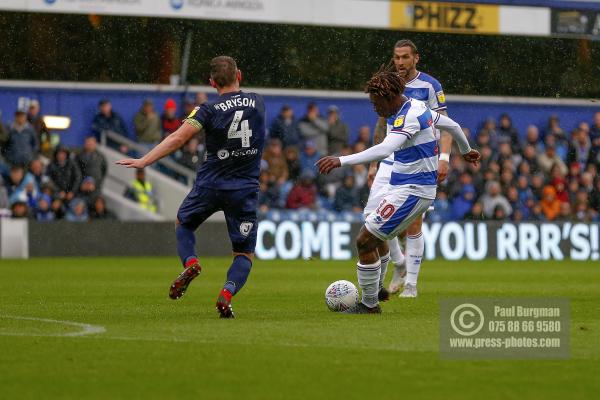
{"x": 426, "y": 88}
{"x": 416, "y": 163}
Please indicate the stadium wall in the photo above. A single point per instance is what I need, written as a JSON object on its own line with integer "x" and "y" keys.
{"x": 307, "y": 240}
{"x": 80, "y": 101}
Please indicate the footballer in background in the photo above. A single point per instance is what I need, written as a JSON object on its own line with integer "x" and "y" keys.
{"x": 423, "y": 87}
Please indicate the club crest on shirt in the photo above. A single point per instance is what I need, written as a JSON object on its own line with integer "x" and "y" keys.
{"x": 245, "y": 228}
{"x": 399, "y": 121}
{"x": 441, "y": 96}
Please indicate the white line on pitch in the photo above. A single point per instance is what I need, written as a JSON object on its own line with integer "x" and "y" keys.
{"x": 86, "y": 329}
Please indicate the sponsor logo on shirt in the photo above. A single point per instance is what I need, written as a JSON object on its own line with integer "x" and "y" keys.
{"x": 441, "y": 96}
{"x": 223, "y": 154}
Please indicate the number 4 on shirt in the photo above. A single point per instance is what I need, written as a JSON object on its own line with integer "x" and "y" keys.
{"x": 244, "y": 133}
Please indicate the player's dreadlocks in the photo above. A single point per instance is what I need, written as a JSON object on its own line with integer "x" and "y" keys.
{"x": 386, "y": 82}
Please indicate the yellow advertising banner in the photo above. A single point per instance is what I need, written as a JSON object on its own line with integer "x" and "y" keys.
{"x": 444, "y": 17}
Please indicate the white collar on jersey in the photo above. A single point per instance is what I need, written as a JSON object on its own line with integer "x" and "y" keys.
{"x": 415, "y": 78}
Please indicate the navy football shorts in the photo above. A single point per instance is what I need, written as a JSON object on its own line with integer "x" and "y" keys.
{"x": 239, "y": 206}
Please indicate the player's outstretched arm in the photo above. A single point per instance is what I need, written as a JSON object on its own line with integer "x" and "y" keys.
{"x": 445, "y": 149}
{"x": 447, "y": 123}
{"x": 390, "y": 144}
{"x": 171, "y": 143}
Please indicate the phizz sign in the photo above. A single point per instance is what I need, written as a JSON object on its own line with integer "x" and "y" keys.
{"x": 450, "y": 241}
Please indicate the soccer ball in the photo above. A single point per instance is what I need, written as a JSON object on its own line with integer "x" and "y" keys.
{"x": 341, "y": 296}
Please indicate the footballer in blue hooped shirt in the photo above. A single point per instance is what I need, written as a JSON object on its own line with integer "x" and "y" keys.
{"x": 234, "y": 124}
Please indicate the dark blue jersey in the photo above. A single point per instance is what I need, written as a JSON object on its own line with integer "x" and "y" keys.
{"x": 234, "y": 125}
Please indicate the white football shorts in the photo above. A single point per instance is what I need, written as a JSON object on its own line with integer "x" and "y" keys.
{"x": 395, "y": 213}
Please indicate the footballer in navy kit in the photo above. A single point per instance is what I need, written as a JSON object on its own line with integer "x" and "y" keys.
{"x": 234, "y": 124}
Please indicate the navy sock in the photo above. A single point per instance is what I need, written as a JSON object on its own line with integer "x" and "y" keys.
{"x": 186, "y": 244}
{"x": 238, "y": 274}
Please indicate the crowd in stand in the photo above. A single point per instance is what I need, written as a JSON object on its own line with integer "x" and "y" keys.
{"x": 545, "y": 174}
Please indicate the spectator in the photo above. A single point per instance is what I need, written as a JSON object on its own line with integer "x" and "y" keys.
{"x": 463, "y": 203}
{"x": 548, "y": 159}
{"x": 3, "y": 195}
{"x": 526, "y": 197}
{"x": 537, "y": 213}
{"x": 285, "y": 128}
{"x": 555, "y": 130}
{"x": 314, "y": 128}
{"x": 442, "y": 209}
{"x": 565, "y": 212}
{"x": 587, "y": 182}
{"x": 582, "y": 212}
{"x": 537, "y": 185}
{"x": 476, "y": 213}
{"x": 58, "y": 208}
{"x": 3, "y": 136}
{"x": 561, "y": 147}
{"x": 192, "y": 154}
{"x": 43, "y": 211}
{"x": 22, "y": 187}
{"x": 273, "y": 155}
{"x": 201, "y": 98}
{"x": 309, "y": 157}
{"x": 147, "y": 125}
{"x": 268, "y": 196}
{"x": 338, "y": 131}
{"x": 78, "y": 211}
{"x": 107, "y": 120}
{"x": 360, "y": 172}
{"x": 532, "y": 138}
{"x": 142, "y": 192}
{"x": 91, "y": 162}
{"x": 19, "y": 209}
{"x": 507, "y": 133}
{"x": 346, "y": 197}
{"x": 579, "y": 148}
{"x": 561, "y": 189}
{"x": 530, "y": 155}
{"x": 88, "y": 192}
{"x": 492, "y": 199}
{"x": 550, "y": 204}
{"x": 36, "y": 120}
{"x": 364, "y": 135}
{"x": 292, "y": 158}
{"x": 189, "y": 104}
{"x": 595, "y": 130}
{"x": 65, "y": 174}
{"x": 488, "y": 135}
{"x": 36, "y": 169}
{"x": 22, "y": 145}
{"x": 304, "y": 192}
{"x": 595, "y": 197}
{"x": 99, "y": 210}
{"x": 170, "y": 122}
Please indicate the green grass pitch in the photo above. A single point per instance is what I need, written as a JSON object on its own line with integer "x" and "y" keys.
{"x": 284, "y": 344}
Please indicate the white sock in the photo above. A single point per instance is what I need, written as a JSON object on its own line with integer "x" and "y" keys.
{"x": 368, "y": 280}
{"x": 384, "y": 264}
{"x": 395, "y": 251}
{"x": 415, "y": 246}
